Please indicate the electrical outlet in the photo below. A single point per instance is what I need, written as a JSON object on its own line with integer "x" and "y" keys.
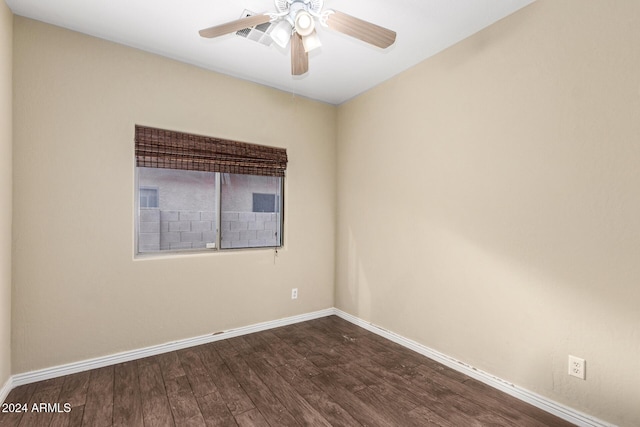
{"x": 294, "y": 293}
{"x": 577, "y": 367}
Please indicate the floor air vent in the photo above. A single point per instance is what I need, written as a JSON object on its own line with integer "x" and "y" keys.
{"x": 259, "y": 33}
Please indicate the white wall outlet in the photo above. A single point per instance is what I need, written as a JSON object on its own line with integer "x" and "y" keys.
{"x": 577, "y": 367}
{"x": 294, "y": 293}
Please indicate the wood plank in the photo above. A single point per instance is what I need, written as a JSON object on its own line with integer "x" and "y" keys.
{"x": 340, "y": 377}
{"x": 146, "y": 361}
{"x": 401, "y": 360}
{"x": 424, "y": 375}
{"x": 321, "y": 401}
{"x": 278, "y": 353}
{"x": 184, "y": 406}
{"x": 308, "y": 342}
{"x": 391, "y": 405}
{"x": 98, "y": 409}
{"x": 240, "y": 344}
{"x": 430, "y": 418}
{"x": 251, "y": 418}
{"x": 299, "y": 408}
{"x": 354, "y": 344}
{"x": 269, "y": 406}
{"x": 259, "y": 345}
{"x": 74, "y": 389}
{"x": 440, "y": 400}
{"x": 229, "y": 388}
{"x": 334, "y": 343}
{"x": 276, "y": 345}
{"x": 68, "y": 419}
{"x": 475, "y": 387}
{"x": 365, "y": 414}
{"x": 50, "y": 383}
{"x": 155, "y": 404}
{"x": 408, "y": 370}
{"x": 406, "y": 401}
{"x": 201, "y": 382}
{"x": 390, "y": 356}
{"x": 19, "y": 395}
{"x": 44, "y": 394}
{"x": 384, "y": 352}
{"x": 335, "y": 324}
{"x": 399, "y": 413}
{"x": 295, "y": 338}
{"x": 378, "y": 393}
{"x": 215, "y": 412}
{"x": 224, "y": 349}
{"x": 170, "y": 365}
{"x": 399, "y": 406}
{"x": 127, "y": 399}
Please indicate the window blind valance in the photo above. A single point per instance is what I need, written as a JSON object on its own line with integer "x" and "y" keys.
{"x": 159, "y": 148}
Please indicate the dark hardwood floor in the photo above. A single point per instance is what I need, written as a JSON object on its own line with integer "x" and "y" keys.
{"x": 324, "y": 372}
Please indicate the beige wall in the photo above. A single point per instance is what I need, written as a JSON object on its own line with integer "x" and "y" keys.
{"x": 6, "y": 122}
{"x": 489, "y": 203}
{"x": 79, "y": 293}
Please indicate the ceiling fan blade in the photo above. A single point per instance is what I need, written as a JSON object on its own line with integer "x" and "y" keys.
{"x": 233, "y": 26}
{"x": 299, "y": 57}
{"x": 362, "y": 30}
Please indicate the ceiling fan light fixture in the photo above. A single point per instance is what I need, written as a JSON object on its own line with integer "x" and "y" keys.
{"x": 311, "y": 42}
{"x": 294, "y": 24}
{"x": 304, "y": 23}
{"x": 281, "y": 33}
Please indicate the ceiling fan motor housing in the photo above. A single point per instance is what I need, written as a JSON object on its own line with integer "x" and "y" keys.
{"x": 300, "y": 14}
{"x": 312, "y": 6}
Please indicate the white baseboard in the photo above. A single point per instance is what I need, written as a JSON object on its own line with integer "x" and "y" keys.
{"x": 534, "y": 399}
{"x": 99, "y": 362}
{"x": 576, "y": 417}
{"x": 6, "y": 388}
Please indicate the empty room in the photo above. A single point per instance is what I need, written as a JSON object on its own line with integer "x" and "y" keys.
{"x": 307, "y": 212}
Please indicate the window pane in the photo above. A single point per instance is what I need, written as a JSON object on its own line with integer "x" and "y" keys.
{"x": 148, "y": 197}
{"x": 264, "y": 202}
{"x": 250, "y": 209}
{"x": 184, "y": 215}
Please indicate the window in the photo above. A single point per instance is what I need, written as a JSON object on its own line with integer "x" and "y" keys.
{"x": 242, "y": 225}
{"x": 264, "y": 202}
{"x": 148, "y": 197}
{"x": 200, "y": 193}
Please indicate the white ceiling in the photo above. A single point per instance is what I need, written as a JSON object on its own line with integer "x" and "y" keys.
{"x": 341, "y": 69}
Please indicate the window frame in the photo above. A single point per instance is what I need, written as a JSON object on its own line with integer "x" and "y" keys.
{"x": 218, "y": 220}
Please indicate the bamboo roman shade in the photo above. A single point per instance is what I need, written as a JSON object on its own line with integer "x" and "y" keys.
{"x": 159, "y": 148}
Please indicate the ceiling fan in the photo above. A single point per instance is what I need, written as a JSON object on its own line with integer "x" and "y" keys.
{"x": 295, "y": 22}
